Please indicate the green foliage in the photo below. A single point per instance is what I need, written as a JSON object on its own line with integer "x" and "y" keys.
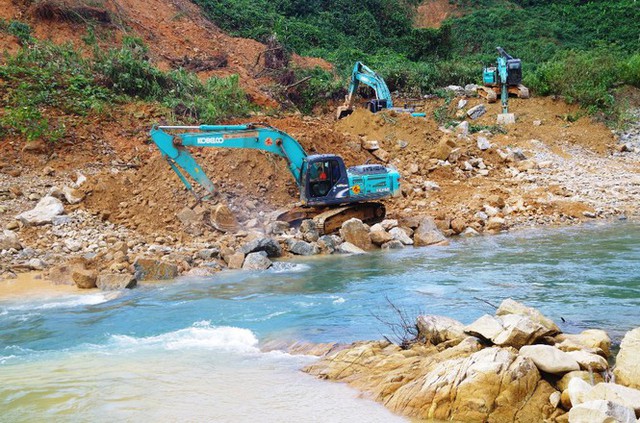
{"x": 20, "y": 30}
{"x": 58, "y": 80}
{"x": 319, "y": 89}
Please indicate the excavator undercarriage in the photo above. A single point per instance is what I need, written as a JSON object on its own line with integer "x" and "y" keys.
{"x": 329, "y": 219}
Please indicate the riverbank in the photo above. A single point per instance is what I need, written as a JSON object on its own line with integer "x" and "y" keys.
{"x": 121, "y": 218}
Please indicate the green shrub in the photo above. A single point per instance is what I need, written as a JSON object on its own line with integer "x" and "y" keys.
{"x": 28, "y": 122}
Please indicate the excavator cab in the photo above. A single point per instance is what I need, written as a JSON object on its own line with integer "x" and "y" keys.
{"x": 325, "y": 180}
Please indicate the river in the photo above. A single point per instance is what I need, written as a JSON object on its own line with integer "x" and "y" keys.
{"x": 189, "y": 349}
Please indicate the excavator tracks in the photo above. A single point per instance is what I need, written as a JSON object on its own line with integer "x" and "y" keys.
{"x": 491, "y": 94}
{"x": 329, "y": 219}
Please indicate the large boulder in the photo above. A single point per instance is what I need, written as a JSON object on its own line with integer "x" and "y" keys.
{"x": 302, "y": 248}
{"x": 349, "y": 248}
{"x": 601, "y": 411}
{"x": 509, "y": 330}
{"x": 84, "y": 278}
{"x": 9, "y": 240}
{"x": 427, "y": 233}
{"x": 589, "y": 361}
{"x": 356, "y": 233}
{"x": 380, "y": 237}
{"x": 115, "y": 281}
{"x": 591, "y": 339}
{"x": 550, "y": 359}
{"x": 47, "y": 208}
{"x": 619, "y": 394}
{"x": 577, "y": 388}
{"x": 399, "y": 234}
{"x": 235, "y": 260}
{"x": 152, "y": 269}
{"x": 268, "y": 245}
{"x": 438, "y": 329}
{"x": 256, "y": 261}
{"x": 461, "y": 383}
{"x": 627, "y": 370}
{"x": 589, "y": 377}
{"x": 510, "y": 306}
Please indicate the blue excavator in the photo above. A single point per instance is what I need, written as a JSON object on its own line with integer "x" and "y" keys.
{"x": 330, "y": 193}
{"x": 362, "y": 74}
{"x": 502, "y": 79}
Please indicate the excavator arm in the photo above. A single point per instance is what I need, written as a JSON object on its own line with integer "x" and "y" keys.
{"x": 363, "y": 74}
{"x": 253, "y": 136}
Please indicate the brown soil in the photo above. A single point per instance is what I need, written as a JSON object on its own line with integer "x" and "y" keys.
{"x": 431, "y": 13}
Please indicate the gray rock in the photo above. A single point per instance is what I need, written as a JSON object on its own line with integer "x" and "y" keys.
{"x": 427, "y": 233}
{"x": 329, "y": 242}
{"x": 463, "y": 128}
{"x": 619, "y": 394}
{"x": 208, "y": 253}
{"x": 73, "y": 245}
{"x": 268, "y": 245}
{"x": 477, "y": 111}
{"x": 278, "y": 227}
{"x": 202, "y": 271}
{"x": 349, "y": 248}
{"x": 302, "y": 248}
{"x": 36, "y": 264}
{"x": 506, "y": 119}
{"x": 309, "y": 230}
{"x": 256, "y": 261}
{"x": 388, "y": 224}
{"x": 9, "y": 240}
{"x": 483, "y": 143}
{"x": 392, "y": 245}
{"x": 400, "y": 235}
{"x": 114, "y": 281}
{"x": 380, "y": 237}
{"x": 46, "y": 209}
{"x": 355, "y": 232}
{"x": 60, "y": 220}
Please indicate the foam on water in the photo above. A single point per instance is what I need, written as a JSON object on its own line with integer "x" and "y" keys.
{"x": 69, "y": 301}
{"x": 288, "y": 267}
{"x": 201, "y": 335}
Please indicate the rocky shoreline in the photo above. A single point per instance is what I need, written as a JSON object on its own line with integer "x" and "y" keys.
{"x": 515, "y": 365}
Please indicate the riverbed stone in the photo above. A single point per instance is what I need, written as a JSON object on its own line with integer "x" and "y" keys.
{"x": 256, "y": 261}
{"x": 84, "y": 278}
{"x": 510, "y": 306}
{"x": 349, "y": 248}
{"x": 400, "y": 235}
{"x": 329, "y": 243}
{"x": 627, "y": 370}
{"x": 550, "y": 359}
{"x": 302, "y": 248}
{"x": 427, "y": 233}
{"x": 392, "y": 245}
{"x": 591, "y": 339}
{"x": 266, "y": 244}
{"x": 601, "y": 411}
{"x": 115, "y": 281}
{"x": 153, "y": 269}
{"x": 380, "y": 237}
{"x": 589, "y": 361}
{"x": 9, "y": 240}
{"x": 437, "y": 329}
{"x": 236, "y": 260}
{"x": 589, "y": 377}
{"x": 355, "y": 232}
{"x": 619, "y": 394}
{"x": 47, "y": 208}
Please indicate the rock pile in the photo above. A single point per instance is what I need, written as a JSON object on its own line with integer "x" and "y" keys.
{"x": 513, "y": 366}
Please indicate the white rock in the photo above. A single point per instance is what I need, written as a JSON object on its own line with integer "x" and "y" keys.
{"x": 619, "y": 394}
{"x": 483, "y": 143}
{"x": 589, "y": 361}
{"x": 550, "y": 359}
{"x": 463, "y": 129}
{"x": 388, "y": 224}
{"x": 9, "y": 240}
{"x": 349, "y": 248}
{"x": 46, "y": 209}
{"x": 577, "y": 389}
{"x": 73, "y": 244}
{"x": 80, "y": 180}
{"x": 601, "y": 411}
{"x": 400, "y": 235}
{"x": 462, "y": 103}
{"x": 627, "y": 371}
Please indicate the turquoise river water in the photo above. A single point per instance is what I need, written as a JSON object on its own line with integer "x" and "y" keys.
{"x": 189, "y": 349}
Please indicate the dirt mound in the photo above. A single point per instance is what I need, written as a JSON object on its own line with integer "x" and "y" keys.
{"x": 176, "y": 32}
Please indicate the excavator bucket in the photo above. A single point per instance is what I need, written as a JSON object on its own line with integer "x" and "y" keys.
{"x": 343, "y": 111}
{"x": 223, "y": 219}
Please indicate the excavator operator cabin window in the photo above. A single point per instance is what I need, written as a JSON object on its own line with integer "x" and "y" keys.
{"x": 323, "y": 175}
